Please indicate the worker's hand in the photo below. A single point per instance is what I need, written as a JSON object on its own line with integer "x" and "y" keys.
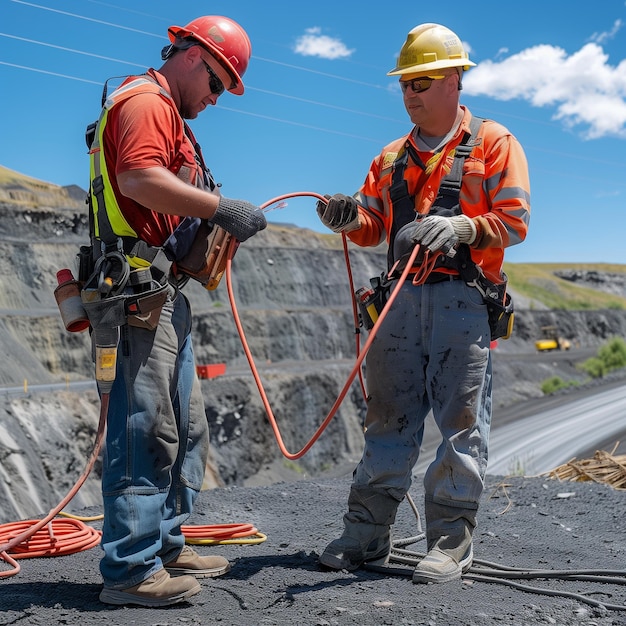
{"x": 443, "y": 233}
{"x": 341, "y": 214}
{"x": 240, "y": 218}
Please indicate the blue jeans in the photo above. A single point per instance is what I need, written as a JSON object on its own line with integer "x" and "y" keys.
{"x": 156, "y": 448}
{"x": 431, "y": 352}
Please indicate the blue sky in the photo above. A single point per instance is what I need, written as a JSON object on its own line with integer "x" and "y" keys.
{"x": 319, "y": 106}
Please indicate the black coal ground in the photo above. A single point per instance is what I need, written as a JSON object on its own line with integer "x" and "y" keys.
{"x": 531, "y": 523}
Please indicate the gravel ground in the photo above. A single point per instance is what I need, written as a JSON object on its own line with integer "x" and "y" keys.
{"x": 530, "y": 523}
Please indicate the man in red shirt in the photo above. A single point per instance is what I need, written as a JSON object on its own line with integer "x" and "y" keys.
{"x": 148, "y": 181}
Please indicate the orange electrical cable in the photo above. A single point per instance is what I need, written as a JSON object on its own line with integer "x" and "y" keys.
{"x": 58, "y": 538}
{"x": 222, "y": 534}
{"x": 357, "y": 365}
{"x": 240, "y": 533}
{"x": 26, "y": 532}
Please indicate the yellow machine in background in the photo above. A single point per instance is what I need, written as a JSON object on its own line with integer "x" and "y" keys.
{"x": 551, "y": 340}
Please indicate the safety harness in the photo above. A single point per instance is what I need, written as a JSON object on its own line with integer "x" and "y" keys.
{"x": 447, "y": 204}
{"x": 125, "y": 279}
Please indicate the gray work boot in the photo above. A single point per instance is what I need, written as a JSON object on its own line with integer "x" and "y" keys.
{"x": 448, "y": 560}
{"x": 158, "y": 590}
{"x": 359, "y": 544}
{"x": 449, "y": 538}
{"x": 367, "y": 524}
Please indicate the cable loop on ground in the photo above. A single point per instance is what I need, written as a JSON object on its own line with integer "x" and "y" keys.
{"x": 223, "y": 534}
{"x": 58, "y": 538}
{"x": 489, "y": 572}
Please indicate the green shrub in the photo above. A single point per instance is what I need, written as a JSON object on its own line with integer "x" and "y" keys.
{"x": 611, "y": 356}
{"x": 555, "y": 383}
{"x": 594, "y": 367}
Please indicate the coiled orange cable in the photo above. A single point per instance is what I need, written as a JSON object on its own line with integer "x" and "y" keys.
{"x": 58, "y": 538}
{"x": 222, "y": 534}
{"x": 24, "y": 532}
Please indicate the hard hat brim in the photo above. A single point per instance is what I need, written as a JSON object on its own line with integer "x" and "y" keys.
{"x": 429, "y": 67}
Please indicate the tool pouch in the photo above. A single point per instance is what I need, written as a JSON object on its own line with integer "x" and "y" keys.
{"x": 498, "y": 302}
{"x": 501, "y": 311}
{"x": 371, "y": 307}
{"x": 144, "y": 311}
{"x": 206, "y": 259}
{"x": 141, "y": 310}
{"x": 501, "y": 317}
{"x": 104, "y": 312}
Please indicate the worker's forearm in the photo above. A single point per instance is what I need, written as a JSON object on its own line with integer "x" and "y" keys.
{"x": 158, "y": 189}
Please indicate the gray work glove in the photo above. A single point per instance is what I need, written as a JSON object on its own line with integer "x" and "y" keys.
{"x": 341, "y": 214}
{"x": 436, "y": 233}
{"x": 240, "y": 218}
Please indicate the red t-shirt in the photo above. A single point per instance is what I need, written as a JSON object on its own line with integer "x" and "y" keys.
{"x": 145, "y": 131}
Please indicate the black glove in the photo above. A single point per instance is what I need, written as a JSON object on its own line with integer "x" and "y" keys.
{"x": 240, "y": 218}
{"x": 341, "y": 214}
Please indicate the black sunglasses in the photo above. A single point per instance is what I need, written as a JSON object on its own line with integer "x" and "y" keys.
{"x": 215, "y": 84}
{"x": 419, "y": 85}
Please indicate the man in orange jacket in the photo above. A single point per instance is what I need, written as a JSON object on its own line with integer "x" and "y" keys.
{"x": 432, "y": 352}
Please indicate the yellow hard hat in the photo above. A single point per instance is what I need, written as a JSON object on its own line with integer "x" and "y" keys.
{"x": 430, "y": 47}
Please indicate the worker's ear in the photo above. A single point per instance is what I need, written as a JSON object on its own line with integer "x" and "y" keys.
{"x": 193, "y": 55}
{"x": 186, "y": 60}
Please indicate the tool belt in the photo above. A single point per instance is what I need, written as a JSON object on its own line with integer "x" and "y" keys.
{"x": 499, "y": 304}
{"x": 142, "y": 311}
{"x": 113, "y": 294}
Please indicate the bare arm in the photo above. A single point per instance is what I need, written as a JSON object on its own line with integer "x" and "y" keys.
{"x": 160, "y": 190}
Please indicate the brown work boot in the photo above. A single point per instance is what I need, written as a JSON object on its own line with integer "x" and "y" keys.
{"x": 359, "y": 544}
{"x": 190, "y": 562}
{"x": 158, "y": 590}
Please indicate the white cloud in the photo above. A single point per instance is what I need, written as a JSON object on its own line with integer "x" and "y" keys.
{"x": 602, "y": 37}
{"x": 583, "y": 88}
{"x": 314, "y": 44}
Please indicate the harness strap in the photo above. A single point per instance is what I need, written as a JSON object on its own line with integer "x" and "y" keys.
{"x": 447, "y": 200}
{"x": 159, "y": 257}
{"x": 402, "y": 202}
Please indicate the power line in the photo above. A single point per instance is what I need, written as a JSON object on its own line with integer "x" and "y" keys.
{"x": 84, "y": 17}
{"x": 72, "y": 50}
{"x": 33, "y": 69}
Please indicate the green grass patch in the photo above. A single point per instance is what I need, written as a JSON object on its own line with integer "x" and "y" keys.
{"x": 538, "y": 281}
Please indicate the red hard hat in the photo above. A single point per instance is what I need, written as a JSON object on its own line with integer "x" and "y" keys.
{"x": 225, "y": 39}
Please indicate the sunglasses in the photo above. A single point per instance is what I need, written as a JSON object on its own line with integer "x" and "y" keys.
{"x": 419, "y": 85}
{"x": 215, "y": 84}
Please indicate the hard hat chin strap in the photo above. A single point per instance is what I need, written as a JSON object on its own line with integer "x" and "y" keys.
{"x": 179, "y": 44}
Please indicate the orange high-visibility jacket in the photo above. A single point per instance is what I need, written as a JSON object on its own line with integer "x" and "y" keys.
{"x": 495, "y": 191}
